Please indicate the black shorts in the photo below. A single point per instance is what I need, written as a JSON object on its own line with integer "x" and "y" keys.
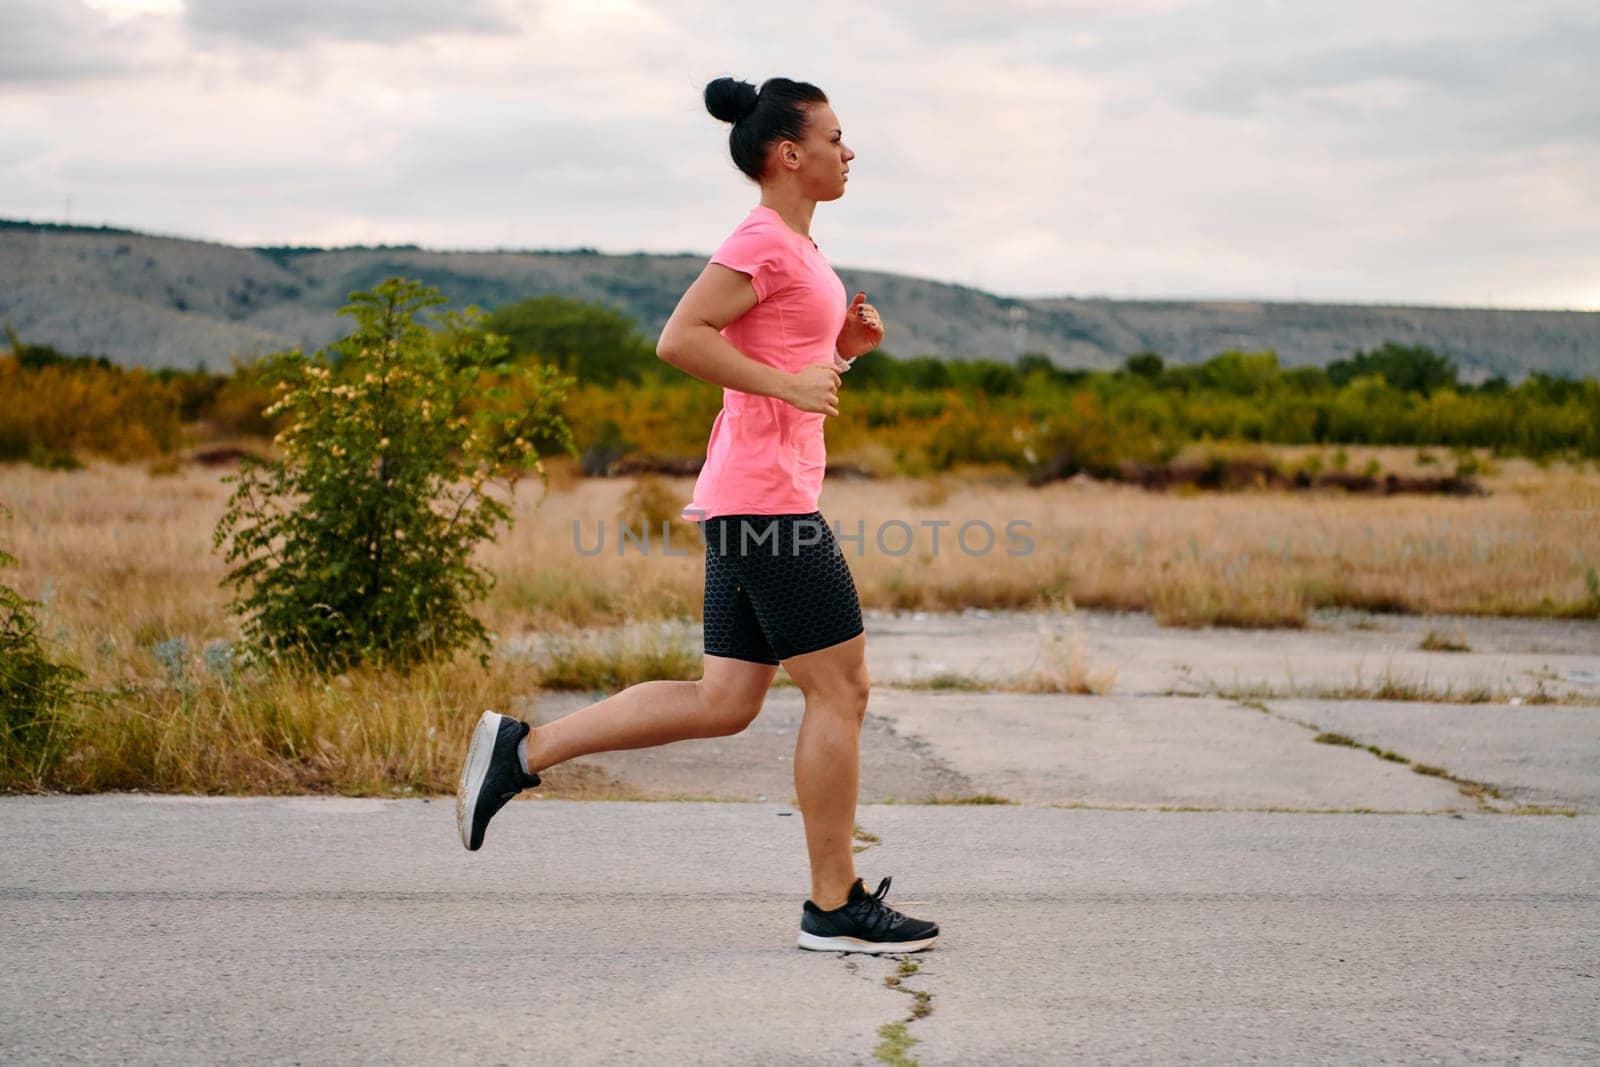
{"x": 776, "y": 586}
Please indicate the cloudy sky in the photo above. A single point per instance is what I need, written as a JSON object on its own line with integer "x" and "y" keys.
{"x": 1372, "y": 151}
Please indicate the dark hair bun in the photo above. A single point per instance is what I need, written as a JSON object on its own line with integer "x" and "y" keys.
{"x": 729, "y": 99}
{"x": 782, "y": 115}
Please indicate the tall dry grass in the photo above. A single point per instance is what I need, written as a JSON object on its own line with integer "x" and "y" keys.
{"x": 123, "y": 558}
{"x": 1248, "y": 559}
{"x": 130, "y": 588}
{"x": 206, "y": 727}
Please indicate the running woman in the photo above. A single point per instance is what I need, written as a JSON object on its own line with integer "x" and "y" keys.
{"x": 768, "y": 320}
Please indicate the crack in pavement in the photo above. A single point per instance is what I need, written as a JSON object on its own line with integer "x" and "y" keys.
{"x": 894, "y": 1041}
{"x": 951, "y": 778}
{"x": 1480, "y": 793}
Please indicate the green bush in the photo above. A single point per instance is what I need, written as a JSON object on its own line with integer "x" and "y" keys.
{"x": 1409, "y": 368}
{"x": 36, "y": 694}
{"x": 1144, "y": 364}
{"x": 593, "y": 343}
{"x": 353, "y": 544}
{"x": 1241, "y": 373}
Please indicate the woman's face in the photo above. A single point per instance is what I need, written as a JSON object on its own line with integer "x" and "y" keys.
{"x": 822, "y": 158}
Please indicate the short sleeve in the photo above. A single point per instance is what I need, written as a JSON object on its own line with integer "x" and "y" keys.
{"x": 753, "y": 250}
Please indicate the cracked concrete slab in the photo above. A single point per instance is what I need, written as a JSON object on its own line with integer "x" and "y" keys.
{"x": 1251, "y": 938}
{"x": 322, "y": 930}
{"x": 1039, "y": 749}
{"x": 1538, "y": 754}
{"x": 1138, "y": 747}
{"x": 1150, "y": 751}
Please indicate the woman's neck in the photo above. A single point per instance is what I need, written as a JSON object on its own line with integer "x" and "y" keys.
{"x": 795, "y": 210}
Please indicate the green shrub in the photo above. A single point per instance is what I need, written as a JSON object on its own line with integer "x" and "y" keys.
{"x": 1409, "y": 368}
{"x": 1144, "y": 364}
{"x": 1240, "y": 373}
{"x": 595, "y": 344}
{"x": 36, "y": 694}
{"x": 353, "y": 544}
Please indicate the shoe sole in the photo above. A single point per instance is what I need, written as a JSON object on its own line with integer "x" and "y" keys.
{"x": 854, "y": 944}
{"x": 473, "y": 773}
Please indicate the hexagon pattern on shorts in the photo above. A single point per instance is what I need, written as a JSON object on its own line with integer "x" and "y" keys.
{"x": 776, "y": 586}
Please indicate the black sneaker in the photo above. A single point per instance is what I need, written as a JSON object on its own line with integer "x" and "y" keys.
{"x": 864, "y": 924}
{"x": 492, "y": 775}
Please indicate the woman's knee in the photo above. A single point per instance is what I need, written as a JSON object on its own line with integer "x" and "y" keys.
{"x": 731, "y": 698}
{"x": 725, "y": 714}
{"x": 844, "y": 692}
{"x": 835, "y": 677}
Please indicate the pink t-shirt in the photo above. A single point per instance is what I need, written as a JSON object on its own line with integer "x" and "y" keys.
{"x": 766, "y": 456}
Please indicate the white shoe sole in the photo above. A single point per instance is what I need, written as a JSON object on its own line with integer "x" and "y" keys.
{"x": 473, "y": 773}
{"x": 853, "y": 944}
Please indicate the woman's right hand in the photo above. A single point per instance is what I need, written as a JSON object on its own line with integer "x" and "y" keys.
{"x": 815, "y": 388}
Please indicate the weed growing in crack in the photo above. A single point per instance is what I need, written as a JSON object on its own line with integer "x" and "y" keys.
{"x": 894, "y": 1045}
{"x": 1478, "y": 792}
{"x": 1474, "y": 790}
{"x": 1391, "y": 688}
{"x": 1543, "y": 809}
{"x": 896, "y": 1041}
{"x": 1350, "y": 742}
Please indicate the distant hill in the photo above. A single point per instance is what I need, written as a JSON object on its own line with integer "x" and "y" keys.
{"x": 162, "y": 301}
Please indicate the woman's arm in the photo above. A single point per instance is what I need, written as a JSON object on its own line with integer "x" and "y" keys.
{"x": 691, "y": 341}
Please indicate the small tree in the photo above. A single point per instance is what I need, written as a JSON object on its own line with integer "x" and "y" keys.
{"x": 1145, "y": 364}
{"x": 592, "y": 342}
{"x": 353, "y": 544}
{"x": 1411, "y": 368}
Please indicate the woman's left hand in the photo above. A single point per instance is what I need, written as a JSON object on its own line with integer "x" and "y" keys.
{"x": 863, "y": 330}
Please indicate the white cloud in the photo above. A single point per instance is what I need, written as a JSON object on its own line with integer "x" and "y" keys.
{"x": 54, "y": 41}
{"x": 1349, "y": 151}
{"x": 288, "y": 23}
{"x": 137, "y": 7}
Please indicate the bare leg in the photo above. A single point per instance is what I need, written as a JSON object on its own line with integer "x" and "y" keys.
{"x": 827, "y": 762}
{"x": 724, "y": 701}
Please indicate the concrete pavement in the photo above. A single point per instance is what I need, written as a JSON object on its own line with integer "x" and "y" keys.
{"x": 1143, "y": 751}
{"x": 320, "y": 930}
{"x": 138, "y": 929}
{"x": 1212, "y": 718}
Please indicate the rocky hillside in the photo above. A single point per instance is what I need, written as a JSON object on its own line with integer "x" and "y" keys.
{"x": 161, "y": 301}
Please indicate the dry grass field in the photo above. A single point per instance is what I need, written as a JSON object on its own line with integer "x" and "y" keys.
{"x": 122, "y": 562}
